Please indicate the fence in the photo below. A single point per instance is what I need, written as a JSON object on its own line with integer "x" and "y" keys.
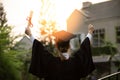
{"x": 114, "y": 76}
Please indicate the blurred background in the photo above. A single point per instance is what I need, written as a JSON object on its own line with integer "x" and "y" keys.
{"x": 49, "y": 16}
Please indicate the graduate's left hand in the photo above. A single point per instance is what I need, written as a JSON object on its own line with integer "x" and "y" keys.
{"x": 90, "y": 28}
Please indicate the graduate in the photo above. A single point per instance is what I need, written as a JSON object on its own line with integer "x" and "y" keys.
{"x": 66, "y": 66}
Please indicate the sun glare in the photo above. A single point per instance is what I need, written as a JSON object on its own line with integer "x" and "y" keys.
{"x": 57, "y": 10}
{"x": 54, "y": 10}
{"x": 50, "y": 10}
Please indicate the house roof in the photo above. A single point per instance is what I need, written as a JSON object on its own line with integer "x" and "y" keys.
{"x": 104, "y": 10}
{"x": 25, "y": 43}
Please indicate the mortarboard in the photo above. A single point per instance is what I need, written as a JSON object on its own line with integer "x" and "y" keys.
{"x": 63, "y": 36}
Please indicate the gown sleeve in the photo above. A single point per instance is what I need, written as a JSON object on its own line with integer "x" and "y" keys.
{"x": 40, "y": 61}
{"x": 84, "y": 58}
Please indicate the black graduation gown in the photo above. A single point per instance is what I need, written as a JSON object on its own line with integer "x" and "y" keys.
{"x": 45, "y": 65}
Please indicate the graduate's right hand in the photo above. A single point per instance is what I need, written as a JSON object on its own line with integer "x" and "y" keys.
{"x": 28, "y": 31}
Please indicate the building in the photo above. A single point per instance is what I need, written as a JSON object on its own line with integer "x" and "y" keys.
{"x": 106, "y": 19}
{"x": 104, "y": 16}
{"x": 25, "y": 43}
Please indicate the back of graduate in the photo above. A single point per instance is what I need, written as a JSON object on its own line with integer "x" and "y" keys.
{"x": 45, "y": 65}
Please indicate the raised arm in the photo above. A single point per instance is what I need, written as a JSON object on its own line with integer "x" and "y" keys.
{"x": 30, "y": 24}
{"x": 90, "y": 31}
{"x": 84, "y": 55}
{"x": 90, "y": 28}
{"x": 28, "y": 32}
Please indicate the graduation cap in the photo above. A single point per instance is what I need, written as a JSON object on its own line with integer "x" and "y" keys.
{"x": 63, "y": 36}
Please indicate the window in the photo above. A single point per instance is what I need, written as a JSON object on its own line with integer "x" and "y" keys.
{"x": 118, "y": 34}
{"x": 98, "y": 37}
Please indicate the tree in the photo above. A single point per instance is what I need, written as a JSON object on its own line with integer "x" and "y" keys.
{"x": 8, "y": 62}
{"x": 3, "y": 19}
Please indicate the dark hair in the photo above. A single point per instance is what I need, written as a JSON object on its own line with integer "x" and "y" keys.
{"x": 63, "y": 46}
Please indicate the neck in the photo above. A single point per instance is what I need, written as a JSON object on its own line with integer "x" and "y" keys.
{"x": 64, "y": 56}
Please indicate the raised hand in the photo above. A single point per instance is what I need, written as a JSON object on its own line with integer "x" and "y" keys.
{"x": 90, "y": 28}
{"x": 28, "y": 31}
{"x": 29, "y": 19}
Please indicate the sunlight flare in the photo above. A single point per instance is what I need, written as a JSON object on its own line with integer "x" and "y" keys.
{"x": 51, "y": 10}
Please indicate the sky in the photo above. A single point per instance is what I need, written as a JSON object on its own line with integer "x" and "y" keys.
{"x": 18, "y": 10}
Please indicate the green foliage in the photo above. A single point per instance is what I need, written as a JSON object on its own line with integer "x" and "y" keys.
{"x": 108, "y": 49}
{"x": 8, "y": 68}
{"x": 9, "y": 65}
{"x": 4, "y": 37}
